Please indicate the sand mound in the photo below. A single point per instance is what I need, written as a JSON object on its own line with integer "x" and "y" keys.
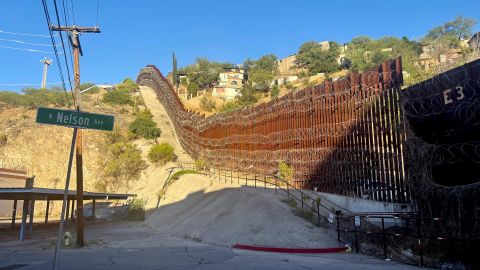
{"x": 221, "y": 214}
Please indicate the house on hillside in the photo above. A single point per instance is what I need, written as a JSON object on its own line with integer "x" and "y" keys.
{"x": 432, "y": 57}
{"x": 229, "y": 83}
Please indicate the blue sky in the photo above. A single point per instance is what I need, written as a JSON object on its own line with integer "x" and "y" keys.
{"x": 137, "y": 33}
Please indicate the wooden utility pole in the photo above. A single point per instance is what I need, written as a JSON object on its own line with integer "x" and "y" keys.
{"x": 74, "y": 32}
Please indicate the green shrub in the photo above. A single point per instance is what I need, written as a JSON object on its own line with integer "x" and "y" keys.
{"x": 230, "y": 106}
{"x": 184, "y": 81}
{"x": 275, "y": 91}
{"x": 93, "y": 90}
{"x": 136, "y": 209}
{"x": 178, "y": 174}
{"x": 33, "y": 97}
{"x": 200, "y": 164}
{"x": 128, "y": 85}
{"x": 285, "y": 172}
{"x": 192, "y": 88}
{"x": 207, "y": 103}
{"x": 121, "y": 162}
{"x": 161, "y": 153}
{"x": 118, "y": 96}
{"x": 144, "y": 126}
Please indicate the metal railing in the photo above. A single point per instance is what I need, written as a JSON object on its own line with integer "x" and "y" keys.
{"x": 261, "y": 180}
{"x": 387, "y": 234}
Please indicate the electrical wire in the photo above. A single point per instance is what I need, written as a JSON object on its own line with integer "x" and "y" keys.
{"x": 24, "y": 42}
{"x": 66, "y": 18}
{"x": 47, "y": 16}
{"x": 73, "y": 12}
{"x": 27, "y": 84}
{"x": 98, "y": 4}
{"x": 23, "y": 49}
{"x": 23, "y": 34}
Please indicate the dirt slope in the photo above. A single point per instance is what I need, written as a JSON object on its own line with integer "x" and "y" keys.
{"x": 221, "y": 214}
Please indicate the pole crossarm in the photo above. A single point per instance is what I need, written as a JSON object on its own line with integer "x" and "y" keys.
{"x": 78, "y": 29}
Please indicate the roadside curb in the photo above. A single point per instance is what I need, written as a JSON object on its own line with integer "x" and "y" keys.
{"x": 291, "y": 250}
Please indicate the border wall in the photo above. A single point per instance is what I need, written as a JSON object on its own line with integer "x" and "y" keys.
{"x": 344, "y": 137}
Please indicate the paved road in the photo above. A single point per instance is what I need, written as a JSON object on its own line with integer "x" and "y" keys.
{"x": 191, "y": 257}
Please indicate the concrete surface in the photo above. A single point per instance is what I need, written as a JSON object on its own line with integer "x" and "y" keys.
{"x": 187, "y": 257}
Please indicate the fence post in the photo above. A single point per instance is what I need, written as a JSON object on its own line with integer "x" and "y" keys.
{"x": 384, "y": 238}
{"x": 265, "y": 181}
{"x": 288, "y": 192}
{"x": 420, "y": 245}
{"x": 356, "y": 236}
{"x": 338, "y": 226}
{"x": 318, "y": 212}
{"x": 255, "y": 179}
{"x": 246, "y": 181}
{"x": 276, "y": 185}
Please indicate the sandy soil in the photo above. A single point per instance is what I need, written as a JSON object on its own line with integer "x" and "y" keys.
{"x": 225, "y": 214}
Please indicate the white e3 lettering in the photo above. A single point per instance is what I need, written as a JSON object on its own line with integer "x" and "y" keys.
{"x": 447, "y": 99}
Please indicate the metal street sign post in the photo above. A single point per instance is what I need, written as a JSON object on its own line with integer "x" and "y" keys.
{"x": 76, "y": 120}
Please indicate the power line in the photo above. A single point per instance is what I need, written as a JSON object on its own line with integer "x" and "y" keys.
{"x": 66, "y": 18}
{"x": 23, "y": 34}
{"x": 63, "y": 45}
{"x": 27, "y": 84}
{"x": 98, "y": 4}
{"x": 47, "y": 17}
{"x": 73, "y": 11}
{"x": 23, "y": 49}
{"x": 24, "y": 42}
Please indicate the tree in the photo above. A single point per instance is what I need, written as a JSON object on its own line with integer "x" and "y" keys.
{"x": 248, "y": 96}
{"x": 204, "y": 73}
{"x": 262, "y": 71}
{"x": 315, "y": 59}
{"x": 266, "y": 63}
{"x": 261, "y": 80}
{"x": 174, "y": 70}
{"x": 460, "y": 28}
{"x": 192, "y": 88}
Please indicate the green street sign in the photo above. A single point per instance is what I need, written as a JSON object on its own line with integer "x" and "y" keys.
{"x": 77, "y": 119}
